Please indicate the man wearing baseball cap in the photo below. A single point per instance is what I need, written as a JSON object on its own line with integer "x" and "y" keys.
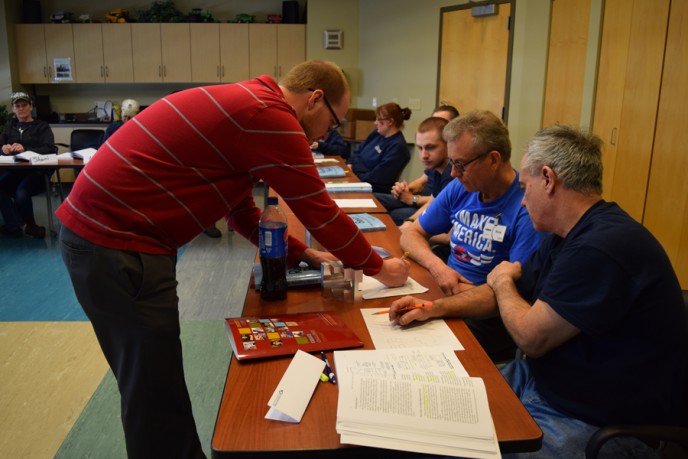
{"x": 23, "y": 133}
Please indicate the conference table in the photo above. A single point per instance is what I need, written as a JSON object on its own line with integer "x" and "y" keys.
{"x": 241, "y": 430}
{"x": 74, "y": 164}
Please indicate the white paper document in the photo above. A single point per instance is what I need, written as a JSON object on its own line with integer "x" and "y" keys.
{"x": 388, "y": 335}
{"x": 372, "y": 288}
{"x": 324, "y": 160}
{"x": 295, "y": 389}
{"x": 84, "y": 153}
{"x": 351, "y": 203}
{"x": 413, "y": 400}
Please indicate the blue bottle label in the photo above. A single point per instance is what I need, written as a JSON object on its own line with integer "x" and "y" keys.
{"x": 273, "y": 242}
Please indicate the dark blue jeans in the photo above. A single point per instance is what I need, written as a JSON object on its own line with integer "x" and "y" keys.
{"x": 131, "y": 300}
{"x": 17, "y": 187}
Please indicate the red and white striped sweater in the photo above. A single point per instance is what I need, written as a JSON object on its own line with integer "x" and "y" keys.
{"x": 194, "y": 157}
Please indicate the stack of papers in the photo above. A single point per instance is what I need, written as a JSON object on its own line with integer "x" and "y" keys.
{"x": 367, "y": 222}
{"x": 344, "y": 187}
{"x": 7, "y": 159}
{"x": 86, "y": 154}
{"x": 418, "y": 400}
{"x": 331, "y": 172}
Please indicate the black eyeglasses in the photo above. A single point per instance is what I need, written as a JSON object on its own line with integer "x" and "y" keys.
{"x": 461, "y": 166}
{"x": 336, "y": 123}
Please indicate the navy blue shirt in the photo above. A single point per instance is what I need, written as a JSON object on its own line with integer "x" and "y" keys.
{"x": 613, "y": 281}
{"x": 380, "y": 160}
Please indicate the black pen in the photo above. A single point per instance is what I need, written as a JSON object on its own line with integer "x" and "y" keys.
{"x": 328, "y": 369}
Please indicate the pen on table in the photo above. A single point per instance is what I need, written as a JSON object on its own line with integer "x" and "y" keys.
{"x": 405, "y": 308}
{"x": 328, "y": 368}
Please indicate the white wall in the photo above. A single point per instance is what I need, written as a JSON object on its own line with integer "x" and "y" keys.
{"x": 398, "y": 57}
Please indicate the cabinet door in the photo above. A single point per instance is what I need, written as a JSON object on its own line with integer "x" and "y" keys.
{"x": 176, "y": 53}
{"x": 291, "y": 47}
{"x": 118, "y": 53}
{"x": 31, "y": 58}
{"x": 59, "y": 44}
{"x": 234, "y": 52}
{"x": 88, "y": 52}
{"x": 262, "y": 40}
{"x": 205, "y": 53}
{"x": 147, "y": 53}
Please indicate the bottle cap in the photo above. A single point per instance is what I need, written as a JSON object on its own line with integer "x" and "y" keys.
{"x": 272, "y": 201}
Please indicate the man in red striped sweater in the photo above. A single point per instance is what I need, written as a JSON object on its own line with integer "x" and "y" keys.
{"x": 160, "y": 180}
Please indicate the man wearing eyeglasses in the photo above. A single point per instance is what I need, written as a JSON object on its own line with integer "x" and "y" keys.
{"x": 482, "y": 210}
{"x": 186, "y": 161}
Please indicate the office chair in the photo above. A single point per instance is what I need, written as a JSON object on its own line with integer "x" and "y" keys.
{"x": 85, "y": 138}
{"x": 670, "y": 441}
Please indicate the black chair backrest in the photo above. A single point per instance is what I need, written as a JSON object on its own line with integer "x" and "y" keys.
{"x": 86, "y": 138}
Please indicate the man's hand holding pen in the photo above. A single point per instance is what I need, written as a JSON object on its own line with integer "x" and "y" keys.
{"x": 409, "y": 309}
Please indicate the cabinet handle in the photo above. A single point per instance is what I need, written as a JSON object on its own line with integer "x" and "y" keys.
{"x": 50, "y": 71}
{"x": 612, "y": 137}
{"x": 274, "y": 71}
{"x": 107, "y": 71}
{"x": 223, "y": 72}
{"x": 102, "y": 73}
{"x": 45, "y": 71}
{"x": 218, "y": 71}
{"x": 160, "y": 71}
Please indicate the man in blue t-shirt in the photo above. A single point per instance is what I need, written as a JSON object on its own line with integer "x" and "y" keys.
{"x": 482, "y": 208}
{"x": 597, "y": 310}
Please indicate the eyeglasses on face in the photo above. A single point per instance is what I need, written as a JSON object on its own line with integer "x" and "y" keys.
{"x": 461, "y": 166}
{"x": 337, "y": 124}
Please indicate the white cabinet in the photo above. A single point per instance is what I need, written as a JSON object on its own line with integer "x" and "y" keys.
{"x": 103, "y": 53}
{"x": 275, "y": 48}
{"x": 161, "y": 52}
{"x": 38, "y": 46}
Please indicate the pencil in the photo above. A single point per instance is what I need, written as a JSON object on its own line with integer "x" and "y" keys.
{"x": 405, "y": 308}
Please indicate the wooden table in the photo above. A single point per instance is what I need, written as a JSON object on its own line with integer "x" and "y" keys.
{"x": 61, "y": 164}
{"x": 242, "y": 431}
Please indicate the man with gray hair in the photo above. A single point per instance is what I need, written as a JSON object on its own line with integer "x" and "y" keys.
{"x": 482, "y": 208}
{"x": 597, "y": 310}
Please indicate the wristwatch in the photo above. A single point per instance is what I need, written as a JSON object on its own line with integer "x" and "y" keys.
{"x": 415, "y": 200}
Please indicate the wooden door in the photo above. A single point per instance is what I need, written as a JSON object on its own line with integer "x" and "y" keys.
{"x": 291, "y": 47}
{"x": 474, "y": 59}
{"x": 641, "y": 89}
{"x": 568, "y": 42}
{"x": 59, "y": 44}
{"x": 147, "y": 53}
{"x": 118, "y": 53}
{"x": 88, "y": 53}
{"x": 31, "y": 58}
{"x": 611, "y": 79}
{"x": 205, "y": 53}
{"x": 666, "y": 208}
{"x": 176, "y": 53}
{"x": 234, "y": 52}
{"x": 262, "y": 41}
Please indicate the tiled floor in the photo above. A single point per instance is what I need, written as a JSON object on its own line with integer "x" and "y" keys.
{"x": 58, "y": 398}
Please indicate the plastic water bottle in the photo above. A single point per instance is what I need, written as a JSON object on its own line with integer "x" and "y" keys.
{"x": 272, "y": 240}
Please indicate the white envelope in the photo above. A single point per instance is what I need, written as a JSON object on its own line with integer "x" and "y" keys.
{"x": 295, "y": 389}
